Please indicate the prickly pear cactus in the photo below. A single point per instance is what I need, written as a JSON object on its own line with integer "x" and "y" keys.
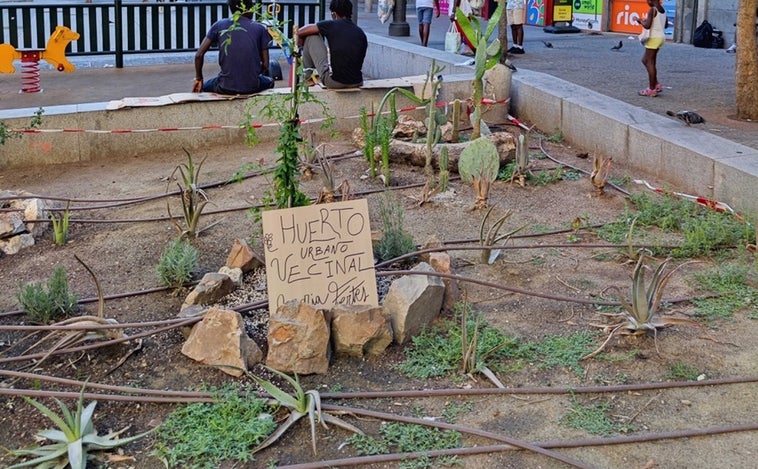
{"x": 479, "y": 164}
{"x": 479, "y": 160}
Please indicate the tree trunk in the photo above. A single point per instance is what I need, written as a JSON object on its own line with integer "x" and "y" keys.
{"x": 746, "y": 73}
{"x": 415, "y": 153}
{"x": 502, "y": 34}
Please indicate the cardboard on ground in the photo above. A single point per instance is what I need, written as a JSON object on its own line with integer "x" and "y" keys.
{"x": 320, "y": 255}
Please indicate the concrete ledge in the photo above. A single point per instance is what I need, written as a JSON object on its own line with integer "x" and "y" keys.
{"x": 687, "y": 158}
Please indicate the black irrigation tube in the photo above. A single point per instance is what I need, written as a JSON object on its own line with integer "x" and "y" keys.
{"x": 544, "y": 152}
{"x": 163, "y": 396}
{"x": 460, "y": 428}
{"x": 185, "y": 322}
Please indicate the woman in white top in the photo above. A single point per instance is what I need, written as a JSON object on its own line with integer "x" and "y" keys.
{"x": 655, "y": 21}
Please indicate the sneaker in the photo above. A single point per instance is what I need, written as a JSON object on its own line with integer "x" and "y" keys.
{"x": 516, "y": 50}
{"x": 648, "y": 92}
{"x": 658, "y": 88}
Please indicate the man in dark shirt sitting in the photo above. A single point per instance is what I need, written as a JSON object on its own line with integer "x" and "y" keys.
{"x": 339, "y": 61}
{"x": 242, "y": 56}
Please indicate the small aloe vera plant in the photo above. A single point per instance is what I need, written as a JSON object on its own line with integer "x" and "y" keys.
{"x": 75, "y": 439}
{"x": 194, "y": 198}
{"x": 301, "y": 404}
{"x": 640, "y": 312}
{"x": 60, "y": 226}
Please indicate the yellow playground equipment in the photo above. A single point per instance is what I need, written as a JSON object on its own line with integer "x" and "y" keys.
{"x": 54, "y": 53}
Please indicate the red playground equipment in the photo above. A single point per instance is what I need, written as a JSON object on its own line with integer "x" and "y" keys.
{"x": 54, "y": 53}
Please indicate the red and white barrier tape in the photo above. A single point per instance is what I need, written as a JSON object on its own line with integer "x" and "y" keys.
{"x": 705, "y": 202}
{"x": 488, "y": 102}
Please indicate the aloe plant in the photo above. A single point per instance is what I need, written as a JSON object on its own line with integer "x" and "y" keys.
{"x": 479, "y": 164}
{"x": 75, "y": 439}
{"x": 193, "y": 197}
{"x": 60, "y": 226}
{"x": 640, "y": 312}
{"x": 301, "y": 404}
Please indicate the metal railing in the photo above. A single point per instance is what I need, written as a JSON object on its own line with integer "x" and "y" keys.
{"x": 131, "y": 27}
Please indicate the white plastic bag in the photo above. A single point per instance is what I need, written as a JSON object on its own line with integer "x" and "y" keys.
{"x": 384, "y": 9}
{"x": 452, "y": 39}
{"x": 644, "y": 36}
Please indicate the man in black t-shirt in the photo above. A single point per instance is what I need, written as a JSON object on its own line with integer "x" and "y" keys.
{"x": 339, "y": 60}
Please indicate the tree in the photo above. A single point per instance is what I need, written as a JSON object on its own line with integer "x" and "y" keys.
{"x": 746, "y": 73}
{"x": 502, "y": 33}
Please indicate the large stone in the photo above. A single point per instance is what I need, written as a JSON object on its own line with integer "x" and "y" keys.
{"x": 220, "y": 340}
{"x": 242, "y": 256}
{"x": 359, "y": 330}
{"x": 35, "y": 209}
{"x": 298, "y": 339}
{"x": 211, "y": 289}
{"x": 413, "y": 301}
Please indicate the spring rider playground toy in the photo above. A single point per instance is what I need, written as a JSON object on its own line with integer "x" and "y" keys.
{"x": 54, "y": 53}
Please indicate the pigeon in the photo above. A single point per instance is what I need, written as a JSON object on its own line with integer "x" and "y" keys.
{"x": 549, "y": 45}
{"x": 688, "y": 117}
{"x": 618, "y": 46}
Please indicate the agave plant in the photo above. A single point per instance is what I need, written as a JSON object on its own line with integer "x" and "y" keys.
{"x": 300, "y": 404}
{"x": 601, "y": 169}
{"x": 75, "y": 439}
{"x": 641, "y": 313}
{"x": 194, "y": 198}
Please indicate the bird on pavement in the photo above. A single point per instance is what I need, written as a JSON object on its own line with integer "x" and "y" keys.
{"x": 688, "y": 117}
{"x": 549, "y": 45}
{"x": 618, "y": 46}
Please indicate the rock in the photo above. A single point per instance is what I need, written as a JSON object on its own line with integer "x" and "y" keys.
{"x": 408, "y": 127}
{"x": 359, "y": 330}
{"x": 16, "y": 243}
{"x": 413, "y": 301}
{"x": 211, "y": 288}
{"x": 191, "y": 311}
{"x": 298, "y": 339}
{"x": 242, "y": 256}
{"x": 414, "y": 154}
{"x": 220, "y": 340}
{"x": 35, "y": 209}
{"x": 441, "y": 262}
{"x": 11, "y": 224}
{"x": 235, "y": 274}
{"x": 431, "y": 242}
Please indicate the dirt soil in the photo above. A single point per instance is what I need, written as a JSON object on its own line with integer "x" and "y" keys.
{"x": 124, "y": 256}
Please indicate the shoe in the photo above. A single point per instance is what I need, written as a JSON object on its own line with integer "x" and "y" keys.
{"x": 648, "y": 92}
{"x": 658, "y": 88}
{"x": 516, "y": 50}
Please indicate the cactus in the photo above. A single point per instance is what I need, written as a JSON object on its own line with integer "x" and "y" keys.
{"x": 444, "y": 180}
{"x": 479, "y": 164}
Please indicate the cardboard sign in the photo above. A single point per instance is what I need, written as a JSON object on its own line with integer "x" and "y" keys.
{"x": 320, "y": 254}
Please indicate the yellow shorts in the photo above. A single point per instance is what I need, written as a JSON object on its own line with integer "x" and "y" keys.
{"x": 655, "y": 43}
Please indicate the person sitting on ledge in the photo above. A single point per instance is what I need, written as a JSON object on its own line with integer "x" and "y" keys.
{"x": 242, "y": 56}
{"x": 339, "y": 61}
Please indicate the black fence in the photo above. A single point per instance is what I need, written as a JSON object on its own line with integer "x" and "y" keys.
{"x": 119, "y": 27}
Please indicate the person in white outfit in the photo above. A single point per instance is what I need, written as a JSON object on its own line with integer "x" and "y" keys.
{"x": 515, "y": 11}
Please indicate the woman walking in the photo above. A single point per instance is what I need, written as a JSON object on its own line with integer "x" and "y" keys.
{"x": 655, "y": 22}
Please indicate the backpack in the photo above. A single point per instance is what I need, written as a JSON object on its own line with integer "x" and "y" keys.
{"x": 703, "y": 35}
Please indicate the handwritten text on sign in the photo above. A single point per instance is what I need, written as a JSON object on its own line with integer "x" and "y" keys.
{"x": 320, "y": 254}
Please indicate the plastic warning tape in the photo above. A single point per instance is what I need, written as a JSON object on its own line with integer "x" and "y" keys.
{"x": 488, "y": 102}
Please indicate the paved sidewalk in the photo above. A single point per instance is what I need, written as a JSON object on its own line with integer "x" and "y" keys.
{"x": 694, "y": 79}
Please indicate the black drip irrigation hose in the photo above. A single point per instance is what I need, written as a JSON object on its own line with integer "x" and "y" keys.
{"x": 544, "y": 448}
{"x": 544, "y": 152}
